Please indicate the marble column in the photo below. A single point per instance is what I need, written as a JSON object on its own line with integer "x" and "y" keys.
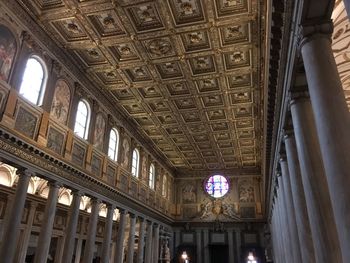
{"x": 141, "y": 244}
{"x": 13, "y": 221}
{"x": 71, "y": 229}
{"x": 238, "y": 244}
{"x": 148, "y": 255}
{"x": 91, "y": 233}
{"x": 319, "y": 207}
{"x": 281, "y": 235}
{"x": 301, "y": 216}
{"x": 22, "y": 250}
{"x": 199, "y": 244}
{"x": 78, "y": 251}
{"x": 131, "y": 240}
{"x": 230, "y": 246}
{"x": 155, "y": 244}
{"x": 332, "y": 122}
{"x": 290, "y": 210}
{"x": 107, "y": 236}
{"x": 118, "y": 256}
{"x": 42, "y": 250}
{"x": 286, "y": 235}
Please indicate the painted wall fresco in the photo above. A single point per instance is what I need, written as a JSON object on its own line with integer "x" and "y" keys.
{"x": 8, "y": 49}
{"x": 99, "y": 131}
{"x": 125, "y": 154}
{"x": 246, "y": 192}
{"x": 78, "y": 154}
{"x": 26, "y": 122}
{"x": 61, "y": 101}
{"x": 55, "y": 140}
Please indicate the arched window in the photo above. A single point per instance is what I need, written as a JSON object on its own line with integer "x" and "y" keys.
{"x": 82, "y": 119}
{"x": 135, "y": 163}
{"x": 113, "y": 144}
{"x": 165, "y": 183}
{"x": 152, "y": 175}
{"x": 34, "y": 80}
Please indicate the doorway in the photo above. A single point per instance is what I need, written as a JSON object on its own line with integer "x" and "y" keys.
{"x": 218, "y": 253}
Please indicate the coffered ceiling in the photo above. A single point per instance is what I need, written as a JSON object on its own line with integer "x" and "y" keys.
{"x": 188, "y": 72}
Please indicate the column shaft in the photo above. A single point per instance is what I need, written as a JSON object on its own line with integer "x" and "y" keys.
{"x": 323, "y": 228}
{"x": 13, "y": 221}
{"x": 148, "y": 256}
{"x": 120, "y": 237}
{"x": 71, "y": 229}
{"x": 333, "y": 126}
{"x": 91, "y": 234}
{"x": 42, "y": 251}
{"x": 22, "y": 251}
{"x": 107, "y": 235}
{"x": 131, "y": 241}
{"x": 156, "y": 244}
{"x": 238, "y": 244}
{"x": 290, "y": 211}
{"x": 230, "y": 246}
{"x": 302, "y": 219}
{"x": 199, "y": 245}
{"x": 78, "y": 251}
{"x": 141, "y": 244}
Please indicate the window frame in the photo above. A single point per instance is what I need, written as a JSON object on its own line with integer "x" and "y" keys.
{"x": 41, "y": 94}
{"x": 116, "y": 145}
{"x": 151, "y": 176}
{"x": 87, "y": 121}
{"x": 135, "y": 169}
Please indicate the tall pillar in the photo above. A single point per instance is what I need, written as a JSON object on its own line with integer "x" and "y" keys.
{"x": 91, "y": 233}
{"x": 281, "y": 237}
{"x": 206, "y": 245}
{"x": 230, "y": 246}
{"x": 141, "y": 244}
{"x": 148, "y": 256}
{"x": 319, "y": 206}
{"x": 284, "y": 231}
{"x": 78, "y": 250}
{"x": 118, "y": 257}
{"x": 44, "y": 240}
{"x": 22, "y": 250}
{"x": 290, "y": 210}
{"x": 107, "y": 234}
{"x": 199, "y": 244}
{"x": 13, "y": 221}
{"x": 302, "y": 219}
{"x": 156, "y": 244}
{"x": 71, "y": 229}
{"x": 238, "y": 243}
{"x": 131, "y": 241}
{"x": 332, "y": 122}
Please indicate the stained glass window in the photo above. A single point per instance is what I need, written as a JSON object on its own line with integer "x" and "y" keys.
{"x": 216, "y": 186}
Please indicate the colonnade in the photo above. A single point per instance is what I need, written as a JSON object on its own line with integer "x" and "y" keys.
{"x": 310, "y": 215}
{"x": 112, "y": 250}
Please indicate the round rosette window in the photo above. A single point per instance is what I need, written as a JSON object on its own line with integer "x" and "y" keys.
{"x": 216, "y": 186}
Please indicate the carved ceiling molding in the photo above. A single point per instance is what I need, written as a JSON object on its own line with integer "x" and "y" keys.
{"x": 187, "y": 76}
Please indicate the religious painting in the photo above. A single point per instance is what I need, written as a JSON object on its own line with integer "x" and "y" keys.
{"x": 143, "y": 194}
{"x": 96, "y": 164}
{"x": 55, "y": 140}
{"x": 246, "y": 192}
{"x": 133, "y": 189}
{"x": 60, "y": 102}
{"x": 78, "y": 154}
{"x": 144, "y": 168}
{"x": 110, "y": 174}
{"x": 99, "y": 132}
{"x": 188, "y": 194}
{"x": 123, "y": 182}
{"x": 189, "y": 211}
{"x": 26, "y": 122}
{"x": 8, "y": 49}
{"x": 125, "y": 154}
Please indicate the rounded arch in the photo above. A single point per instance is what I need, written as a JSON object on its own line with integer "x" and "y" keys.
{"x": 8, "y": 51}
{"x": 82, "y": 119}
{"x": 5, "y": 177}
{"x": 34, "y": 80}
{"x": 113, "y": 144}
{"x": 64, "y": 196}
{"x": 135, "y": 164}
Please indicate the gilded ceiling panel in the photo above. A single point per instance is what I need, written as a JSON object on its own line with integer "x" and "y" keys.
{"x": 187, "y": 72}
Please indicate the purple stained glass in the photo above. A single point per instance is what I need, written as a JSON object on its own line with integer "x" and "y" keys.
{"x": 216, "y": 186}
